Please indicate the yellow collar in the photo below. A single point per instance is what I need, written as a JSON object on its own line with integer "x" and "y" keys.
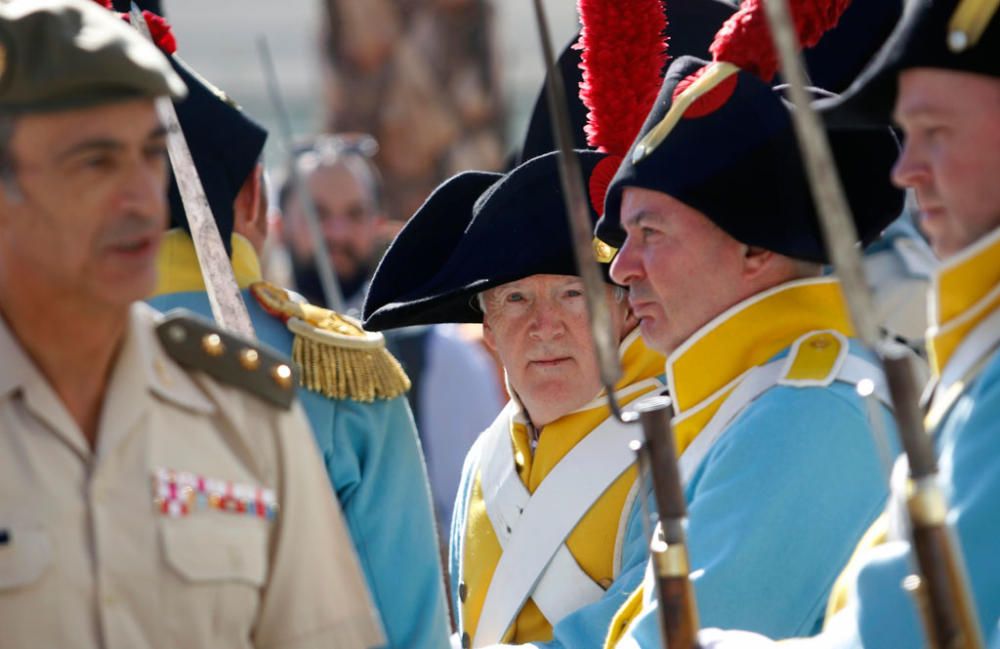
{"x": 640, "y": 367}
{"x": 965, "y": 289}
{"x": 705, "y": 369}
{"x": 177, "y": 264}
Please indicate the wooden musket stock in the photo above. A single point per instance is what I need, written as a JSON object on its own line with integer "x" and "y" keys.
{"x": 678, "y": 611}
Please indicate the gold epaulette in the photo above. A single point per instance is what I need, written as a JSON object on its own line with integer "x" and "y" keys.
{"x": 337, "y": 357}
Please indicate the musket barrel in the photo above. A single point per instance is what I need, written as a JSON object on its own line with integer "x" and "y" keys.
{"x": 905, "y": 394}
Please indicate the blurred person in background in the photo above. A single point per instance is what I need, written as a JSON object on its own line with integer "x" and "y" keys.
{"x": 455, "y": 392}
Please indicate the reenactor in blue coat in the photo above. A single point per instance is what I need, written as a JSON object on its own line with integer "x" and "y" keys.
{"x": 712, "y": 227}
{"x": 352, "y": 389}
{"x": 938, "y": 76}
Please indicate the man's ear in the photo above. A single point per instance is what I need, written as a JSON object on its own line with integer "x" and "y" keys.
{"x": 756, "y": 261}
{"x": 246, "y": 206}
{"x": 488, "y": 338}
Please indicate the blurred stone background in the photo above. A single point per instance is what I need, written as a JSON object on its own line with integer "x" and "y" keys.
{"x": 444, "y": 85}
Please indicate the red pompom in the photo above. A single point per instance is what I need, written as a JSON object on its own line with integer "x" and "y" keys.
{"x": 624, "y": 53}
{"x": 745, "y": 39}
{"x": 710, "y": 101}
{"x": 162, "y": 34}
{"x": 159, "y": 29}
{"x": 600, "y": 180}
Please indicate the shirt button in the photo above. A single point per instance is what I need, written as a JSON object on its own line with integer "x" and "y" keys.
{"x": 466, "y": 641}
{"x": 463, "y": 591}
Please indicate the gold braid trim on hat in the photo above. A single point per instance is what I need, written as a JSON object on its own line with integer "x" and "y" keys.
{"x": 968, "y": 23}
{"x": 716, "y": 72}
{"x": 338, "y": 358}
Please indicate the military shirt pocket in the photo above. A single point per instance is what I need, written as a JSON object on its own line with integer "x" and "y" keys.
{"x": 211, "y": 548}
{"x": 25, "y": 553}
{"x": 217, "y": 565}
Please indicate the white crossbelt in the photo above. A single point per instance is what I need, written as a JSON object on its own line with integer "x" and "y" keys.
{"x": 758, "y": 381}
{"x": 532, "y": 528}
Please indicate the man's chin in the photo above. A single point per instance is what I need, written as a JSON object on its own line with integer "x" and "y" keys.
{"x": 654, "y": 336}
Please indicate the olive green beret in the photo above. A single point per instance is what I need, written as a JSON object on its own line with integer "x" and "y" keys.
{"x": 63, "y": 54}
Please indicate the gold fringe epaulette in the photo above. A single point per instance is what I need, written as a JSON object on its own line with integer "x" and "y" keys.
{"x": 337, "y": 357}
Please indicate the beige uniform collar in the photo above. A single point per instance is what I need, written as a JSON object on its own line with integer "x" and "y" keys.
{"x": 142, "y": 370}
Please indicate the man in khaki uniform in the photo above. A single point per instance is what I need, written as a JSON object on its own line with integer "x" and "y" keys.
{"x": 157, "y": 486}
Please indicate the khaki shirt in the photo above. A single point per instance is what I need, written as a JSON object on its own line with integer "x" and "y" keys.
{"x": 90, "y": 558}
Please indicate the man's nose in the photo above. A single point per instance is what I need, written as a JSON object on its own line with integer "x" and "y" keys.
{"x": 910, "y": 169}
{"x": 626, "y": 267}
{"x": 548, "y": 321}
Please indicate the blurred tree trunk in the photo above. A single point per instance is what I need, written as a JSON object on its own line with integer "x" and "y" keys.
{"x": 418, "y": 75}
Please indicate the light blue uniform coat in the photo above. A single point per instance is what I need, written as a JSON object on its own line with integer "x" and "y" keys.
{"x": 969, "y": 445}
{"x": 375, "y": 466}
{"x": 776, "y": 509}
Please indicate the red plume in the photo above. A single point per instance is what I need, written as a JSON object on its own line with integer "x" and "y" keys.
{"x": 624, "y": 53}
{"x": 159, "y": 29}
{"x": 104, "y": 3}
{"x": 745, "y": 39}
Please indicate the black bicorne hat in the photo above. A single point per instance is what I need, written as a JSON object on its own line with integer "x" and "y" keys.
{"x": 738, "y": 163}
{"x": 396, "y": 295}
{"x": 960, "y": 35}
{"x": 225, "y": 143}
{"x": 515, "y": 229}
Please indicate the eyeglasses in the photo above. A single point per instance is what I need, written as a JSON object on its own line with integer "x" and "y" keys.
{"x": 327, "y": 148}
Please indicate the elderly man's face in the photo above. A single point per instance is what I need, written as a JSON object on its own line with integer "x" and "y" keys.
{"x": 538, "y": 327}
{"x": 951, "y": 156}
{"x": 85, "y": 210}
{"x": 348, "y": 219}
{"x": 681, "y": 269}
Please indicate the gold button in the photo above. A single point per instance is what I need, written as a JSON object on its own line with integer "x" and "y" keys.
{"x": 249, "y": 359}
{"x": 466, "y": 641}
{"x": 820, "y": 343}
{"x": 282, "y": 375}
{"x": 212, "y": 344}
{"x": 463, "y": 591}
{"x": 603, "y": 252}
{"x": 605, "y": 583}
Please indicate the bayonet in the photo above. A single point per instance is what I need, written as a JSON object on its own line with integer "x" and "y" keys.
{"x": 224, "y": 296}
{"x": 321, "y": 253}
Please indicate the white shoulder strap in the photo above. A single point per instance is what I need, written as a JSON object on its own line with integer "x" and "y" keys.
{"x": 535, "y": 562}
{"x": 852, "y": 370}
